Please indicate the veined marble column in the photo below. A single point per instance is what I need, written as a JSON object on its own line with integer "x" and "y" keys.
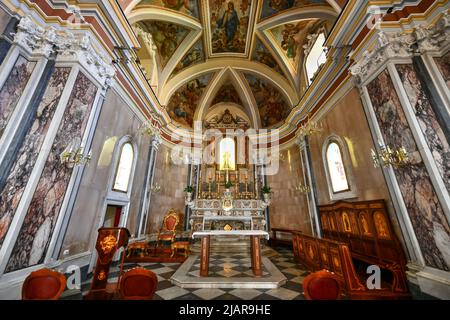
{"x": 155, "y": 141}
{"x": 400, "y": 115}
{"x": 66, "y": 115}
{"x": 308, "y": 181}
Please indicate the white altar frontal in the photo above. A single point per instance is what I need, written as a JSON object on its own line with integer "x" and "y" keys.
{"x": 242, "y": 214}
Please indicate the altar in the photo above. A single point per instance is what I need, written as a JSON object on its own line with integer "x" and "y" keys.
{"x": 254, "y": 243}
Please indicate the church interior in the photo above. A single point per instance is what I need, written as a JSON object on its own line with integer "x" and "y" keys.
{"x": 224, "y": 150}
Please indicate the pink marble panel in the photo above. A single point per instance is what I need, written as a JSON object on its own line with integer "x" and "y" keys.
{"x": 17, "y": 179}
{"x": 427, "y": 217}
{"x": 38, "y": 226}
{"x": 13, "y": 88}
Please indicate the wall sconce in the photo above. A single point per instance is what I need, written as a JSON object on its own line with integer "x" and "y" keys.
{"x": 302, "y": 189}
{"x": 310, "y": 128}
{"x": 388, "y": 156}
{"x": 155, "y": 188}
{"x": 72, "y": 157}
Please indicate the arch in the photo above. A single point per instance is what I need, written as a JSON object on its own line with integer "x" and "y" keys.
{"x": 338, "y": 169}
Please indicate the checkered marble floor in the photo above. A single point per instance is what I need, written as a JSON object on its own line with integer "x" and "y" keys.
{"x": 226, "y": 265}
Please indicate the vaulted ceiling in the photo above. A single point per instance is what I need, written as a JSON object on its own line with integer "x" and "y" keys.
{"x": 250, "y": 54}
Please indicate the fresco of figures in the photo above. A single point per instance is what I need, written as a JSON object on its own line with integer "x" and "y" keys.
{"x": 229, "y": 25}
{"x": 291, "y": 37}
{"x": 182, "y": 104}
{"x": 272, "y": 7}
{"x": 227, "y": 93}
{"x": 272, "y": 105}
{"x": 193, "y": 56}
{"x": 188, "y": 7}
{"x": 262, "y": 55}
{"x": 166, "y": 36}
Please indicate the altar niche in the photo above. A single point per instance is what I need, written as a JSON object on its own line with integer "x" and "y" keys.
{"x": 227, "y": 167}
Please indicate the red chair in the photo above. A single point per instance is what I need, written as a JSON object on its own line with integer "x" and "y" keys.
{"x": 138, "y": 284}
{"x": 43, "y": 284}
{"x": 168, "y": 230}
{"x": 322, "y": 285}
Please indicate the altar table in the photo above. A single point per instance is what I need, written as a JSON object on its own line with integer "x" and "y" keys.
{"x": 254, "y": 244}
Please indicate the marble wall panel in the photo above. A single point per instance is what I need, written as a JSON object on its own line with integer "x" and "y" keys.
{"x": 13, "y": 88}
{"x": 173, "y": 179}
{"x": 37, "y": 228}
{"x": 289, "y": 208}
{"x": 347, "y": 120}
{"x": 426, "y": 117}
{"x": 427, "y": 217}
{"x": 11, "y": 192}
{"x": 116, "y": 120}
{"x": 443, "y": 64}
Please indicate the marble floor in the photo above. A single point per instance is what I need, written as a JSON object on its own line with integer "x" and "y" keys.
{"x": 230, "y": 266}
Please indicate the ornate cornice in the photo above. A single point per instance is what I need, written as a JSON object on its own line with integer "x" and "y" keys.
{"x": 36, "y": 40}
{"x": 435, "y": 38}
{"x": 388, "y": 46}
{"x": 79, "y": 48}
{"x": 401, "y": 45}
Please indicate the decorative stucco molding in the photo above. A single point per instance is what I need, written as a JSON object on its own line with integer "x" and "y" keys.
{"x": 401, "y": 45}
{"x": 69, "y": 47}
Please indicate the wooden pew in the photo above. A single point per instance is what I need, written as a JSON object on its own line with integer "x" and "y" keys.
{"x": 317, "y": 254}
{"x": 366, "y": 231}
{"x": 275, "y": 240}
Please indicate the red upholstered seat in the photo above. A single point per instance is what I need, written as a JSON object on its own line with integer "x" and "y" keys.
{"x": 138, "y": 284}
{"x": 43, "y": 284}
{"x": 322, "y": 285}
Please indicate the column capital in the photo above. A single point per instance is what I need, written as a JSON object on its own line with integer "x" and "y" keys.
{"x": 401, "y": 45}
{"x": 33, "y": 38}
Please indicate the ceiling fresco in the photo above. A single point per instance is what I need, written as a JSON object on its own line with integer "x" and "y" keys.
{"x": 261, "y": 39}
{"x": 290, "y": 37}
{"x": 188, "y": 7}
{"x": 227, "y": 93}
{"x": 273, "y": 7}
{"x": 184, "y": 101}
{"x": 166, "y": 36}
{"x": 229, "y": 25}
{"x": 273, "y": 108}
{"x": 193, "y": 56}
{"x": 262, "y": 55}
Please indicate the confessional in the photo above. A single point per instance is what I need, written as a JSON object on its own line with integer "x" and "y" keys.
{"x": 109, "y": 240}
{"x": 43, "y": 284}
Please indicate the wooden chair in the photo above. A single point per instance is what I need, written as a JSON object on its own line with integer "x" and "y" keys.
{"x": 43, "y": 284}
{"x": 168, "y": 229}
{"x": 322, "y": 285}
{"x": 138, "y": 284}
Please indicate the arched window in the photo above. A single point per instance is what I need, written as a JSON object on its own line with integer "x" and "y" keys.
{"x": 227, "y": 154}
{"x": 316, "y": 57}
{"x": 336, "y": 168}
{"x": 124, "y": 168}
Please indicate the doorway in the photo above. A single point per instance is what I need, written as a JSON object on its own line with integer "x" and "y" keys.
{"x": 113, "y": 216}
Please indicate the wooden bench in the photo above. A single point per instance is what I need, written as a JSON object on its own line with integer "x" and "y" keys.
{"x": 274, "y": 240}
{"x": 317, "y": 254}
{"x": 365, "y": 229}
